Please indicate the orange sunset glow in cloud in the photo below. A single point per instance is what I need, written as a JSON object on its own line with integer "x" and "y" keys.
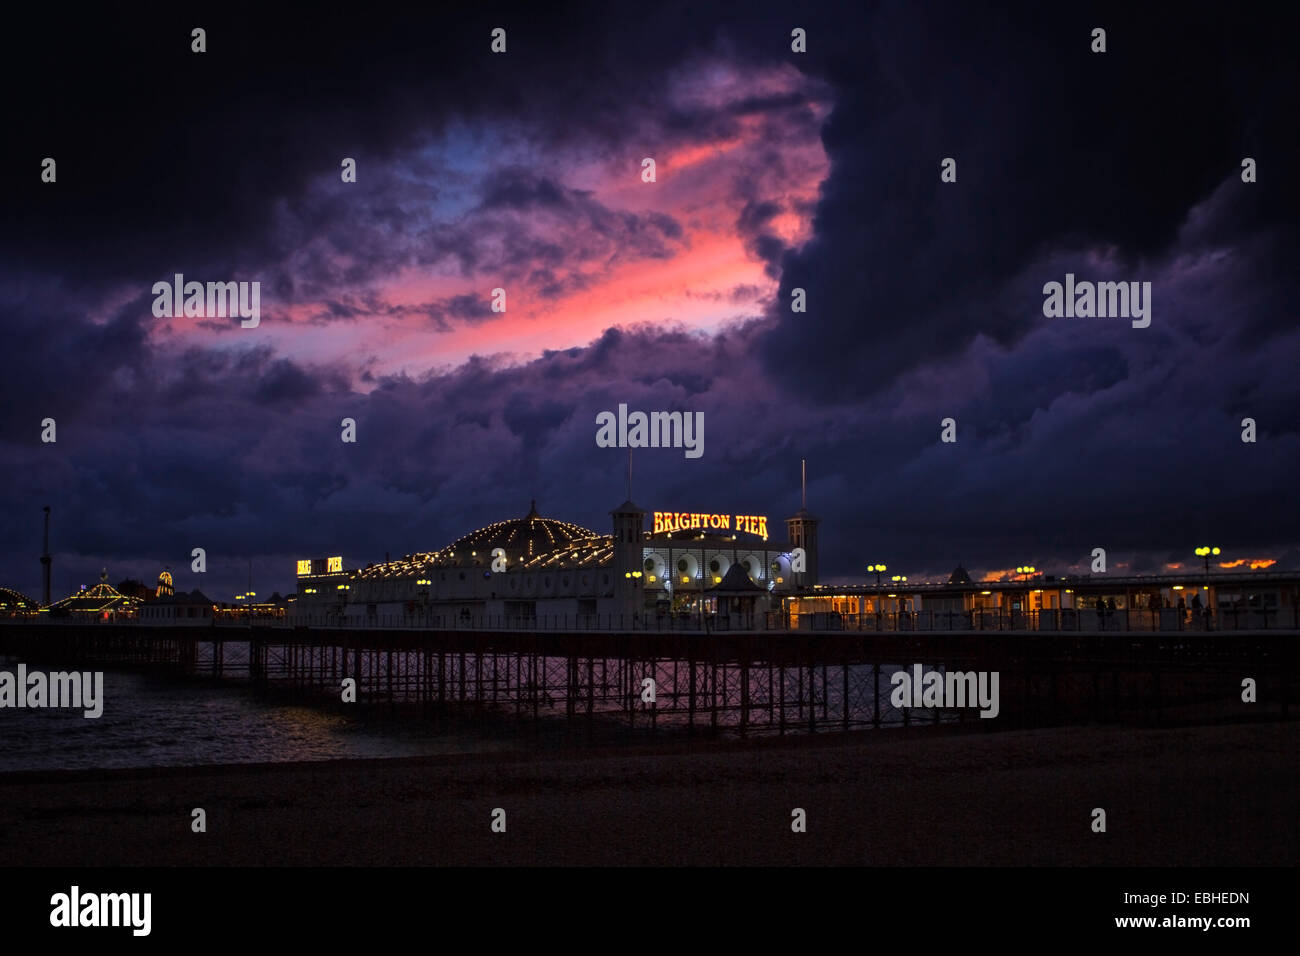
{"x": 578, "y": 244}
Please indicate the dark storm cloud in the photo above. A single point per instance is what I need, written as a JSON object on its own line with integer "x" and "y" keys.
{"x": 180, "y": 160}
{"x": 549, "y": 285}
{"x": 924, "y": 298}
{"x": 61, "y": 363}
{"x": 444, "y": 314}
{"x": 574, "y": 227}
{"x": 1058, "y": 462}
{"x": 1055, "y": 146}
{"x": 507, "y": 188}
{"x": 524, "y": 228}
{"x": 284, "y": 381}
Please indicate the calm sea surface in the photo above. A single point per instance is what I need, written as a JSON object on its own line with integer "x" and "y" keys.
{"x": 155, "y": 721}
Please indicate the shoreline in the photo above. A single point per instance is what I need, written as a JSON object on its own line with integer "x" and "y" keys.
{"x": 551, "y": 749}
{"x": 1218, "y": 795}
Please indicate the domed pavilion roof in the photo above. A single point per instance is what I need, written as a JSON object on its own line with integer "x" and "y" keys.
{"x": 520, "y": 537}
{"x": 102, "y": 597}
{"x": 524, "y": 540}
{"x": 16, "y": 601}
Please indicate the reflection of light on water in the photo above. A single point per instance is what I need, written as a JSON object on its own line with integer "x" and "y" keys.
{"x": 153, "y": 721}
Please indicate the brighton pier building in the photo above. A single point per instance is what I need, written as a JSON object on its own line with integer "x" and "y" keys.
{"x": 651, "y": 568}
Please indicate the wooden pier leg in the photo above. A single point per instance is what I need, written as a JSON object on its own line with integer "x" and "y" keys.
{"x": 690, "y": 698}
{"x": 744, "y": 694}
{"x": 781, "y": 705}
{"x": 571, "y": 686}
{"x": 533, "y": 665}
{"x": 812, "y": 698}
{"x": 826, "y": 697}
{"x": 713, "y": 698}
{"x": 654, "y": 708}
{"x": 799, "y": 690}
{"x": 844, "y": 704}
{"x": 626, "y": 677}
{"x": 426, "y": 668}
{"x": 771, "y": 695}
{"x": 519, "y": 683}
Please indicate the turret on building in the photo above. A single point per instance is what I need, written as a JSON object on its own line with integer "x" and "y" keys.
{"x": 802, "y": 531}
{"x": 629, "y": 555}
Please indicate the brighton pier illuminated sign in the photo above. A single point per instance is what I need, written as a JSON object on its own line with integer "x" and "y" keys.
{"x": 689, "y": 521}
{"x": 308, "y": 566}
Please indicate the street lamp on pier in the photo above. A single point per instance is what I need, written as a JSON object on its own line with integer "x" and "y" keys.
{"x": 1204, "y": 553}
{"x": 877, "y": 569}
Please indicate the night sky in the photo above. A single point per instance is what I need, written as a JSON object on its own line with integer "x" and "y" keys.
{"x": 775, "y": 171}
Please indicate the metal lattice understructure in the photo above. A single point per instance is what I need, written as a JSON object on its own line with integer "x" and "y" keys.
{"x": 778, "y": 683}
